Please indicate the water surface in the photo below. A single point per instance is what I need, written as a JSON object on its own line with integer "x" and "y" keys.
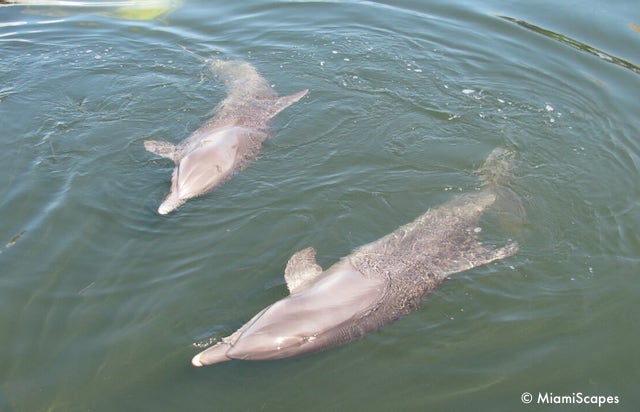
{"x": 103, "y": 302}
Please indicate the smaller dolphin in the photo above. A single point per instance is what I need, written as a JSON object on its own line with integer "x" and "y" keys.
{"x": 375, "y": 285}
{"x": 228, "y": 141}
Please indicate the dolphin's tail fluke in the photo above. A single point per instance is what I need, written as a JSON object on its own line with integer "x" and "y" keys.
{"x": 496, "y": 169}
{"x": 495, "y": 175}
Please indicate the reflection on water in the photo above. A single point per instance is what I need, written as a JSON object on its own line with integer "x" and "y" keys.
{"x": 125, "y": 9}
{"x": 577, "y": 44}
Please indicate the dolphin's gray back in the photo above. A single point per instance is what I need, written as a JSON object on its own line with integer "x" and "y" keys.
{"x": 441, "y": 242}
{"x": 242, "y": 80}
{"x": 415, "y": 258}
{"x": 250, "y": 99}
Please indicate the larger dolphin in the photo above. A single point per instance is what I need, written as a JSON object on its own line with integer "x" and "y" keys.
{"x": 211, "y": 154}
{"x": 374, "y": 285}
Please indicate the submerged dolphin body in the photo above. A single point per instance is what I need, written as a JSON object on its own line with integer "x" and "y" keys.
{"x": 374, "y": 285}
{"x": 233, "y": 137}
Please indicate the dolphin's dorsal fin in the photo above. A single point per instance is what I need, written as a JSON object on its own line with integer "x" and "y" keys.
{"x": 302, "y": 269}
{"x": 162, "y": 149}
{"x": 283, "y": 102}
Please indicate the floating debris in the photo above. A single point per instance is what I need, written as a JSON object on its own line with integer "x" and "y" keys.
{"x": 14, "y": 240}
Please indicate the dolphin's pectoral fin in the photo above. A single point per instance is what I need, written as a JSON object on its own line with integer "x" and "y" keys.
{"x": 162, "y": 149}
{"x": 285, "y": 101}
{"x": 301, "y": 270}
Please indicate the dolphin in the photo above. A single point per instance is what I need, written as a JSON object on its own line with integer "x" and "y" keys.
{"x": 229, "y": 140}
{"x": 374, "y": 285}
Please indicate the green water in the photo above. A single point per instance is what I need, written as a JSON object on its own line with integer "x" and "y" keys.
{"x": 103, "y": 302}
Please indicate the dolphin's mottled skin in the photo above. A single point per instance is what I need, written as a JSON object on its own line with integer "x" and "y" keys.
{"x": 224, "y": 145}
{"x": 374, "y": 285}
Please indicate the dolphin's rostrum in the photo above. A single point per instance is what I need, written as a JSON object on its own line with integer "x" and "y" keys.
{"x": 374, "y": 285}
{"x": 233, "y": 137}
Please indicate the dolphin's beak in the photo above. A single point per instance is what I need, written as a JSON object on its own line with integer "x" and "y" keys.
{"x": 165, "y": 208}
{"x": 171, "y": 203}
{"x": 215, "y": 354}
{"x": 196, "y": 361}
